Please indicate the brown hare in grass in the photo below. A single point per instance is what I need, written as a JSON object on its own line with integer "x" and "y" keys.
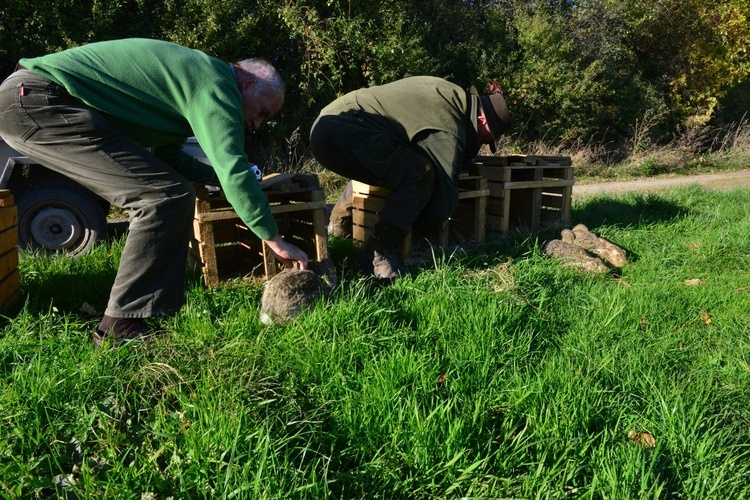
{"x": 292, "y": 291}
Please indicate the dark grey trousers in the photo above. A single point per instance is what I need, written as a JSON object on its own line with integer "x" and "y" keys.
{"x": 43, "y": 122}
{"x": 352, "y": 147}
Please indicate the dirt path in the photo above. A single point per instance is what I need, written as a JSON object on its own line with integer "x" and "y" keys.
{"x": 726, "y": 180}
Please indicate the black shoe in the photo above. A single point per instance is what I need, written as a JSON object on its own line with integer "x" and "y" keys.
{"x": 121, "y": 331}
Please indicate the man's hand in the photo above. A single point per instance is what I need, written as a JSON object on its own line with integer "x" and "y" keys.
{"x": 287, "y": 253}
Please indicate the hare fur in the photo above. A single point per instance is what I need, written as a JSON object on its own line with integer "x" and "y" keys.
{"x": 292, "y": 291}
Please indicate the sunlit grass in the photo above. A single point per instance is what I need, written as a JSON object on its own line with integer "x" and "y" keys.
{"x": 495, "y": 374}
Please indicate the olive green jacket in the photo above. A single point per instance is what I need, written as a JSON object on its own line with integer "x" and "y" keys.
{"x": 429, "y": 113}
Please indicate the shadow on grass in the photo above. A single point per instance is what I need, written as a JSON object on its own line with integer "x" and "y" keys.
{"x": 640, "y": 209}
{"x": 67, "y": 289}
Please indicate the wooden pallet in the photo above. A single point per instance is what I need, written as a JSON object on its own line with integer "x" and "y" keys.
{"x": 467, "y": 222}
{"x": 9, "y": 276}
{"x": 227, "y": 248}
{"x": 367, "y": 202}
{"x": 526, "y": 192}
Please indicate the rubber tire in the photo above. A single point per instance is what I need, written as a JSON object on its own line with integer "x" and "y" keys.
{"x": 57, "y": 218}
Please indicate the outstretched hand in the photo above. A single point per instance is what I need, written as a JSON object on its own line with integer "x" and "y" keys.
{"x": 287, "y": 253}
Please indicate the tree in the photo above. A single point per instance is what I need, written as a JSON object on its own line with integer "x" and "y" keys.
{"x": 694, "y": 50}
{"x": 572, "y": 77}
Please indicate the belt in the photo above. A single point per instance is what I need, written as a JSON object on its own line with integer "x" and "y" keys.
{"x": 19, "y": 67}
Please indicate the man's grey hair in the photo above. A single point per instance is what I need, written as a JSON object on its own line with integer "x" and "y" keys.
{"x": 269, "y": 79}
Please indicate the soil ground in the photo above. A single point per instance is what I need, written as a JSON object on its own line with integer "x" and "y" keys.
{"x": 723, "y": 180}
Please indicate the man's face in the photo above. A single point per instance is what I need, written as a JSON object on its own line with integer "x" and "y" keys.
{"x": 258, "y": 107}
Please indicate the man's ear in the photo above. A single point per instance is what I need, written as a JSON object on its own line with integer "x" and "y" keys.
{"x": 481, "y": 119}
{"x": 250, "y": 80}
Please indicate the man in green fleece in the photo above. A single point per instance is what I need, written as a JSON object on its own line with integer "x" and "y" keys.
{"x": 91, "y": 112}
{"x": 412, "y": 137}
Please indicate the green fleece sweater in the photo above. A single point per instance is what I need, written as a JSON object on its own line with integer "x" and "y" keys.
{"x": 159, "y": 94}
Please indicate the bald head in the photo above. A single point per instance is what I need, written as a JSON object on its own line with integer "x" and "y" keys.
{"x": 262, "y": 91}
{"x": 268, "y": 80}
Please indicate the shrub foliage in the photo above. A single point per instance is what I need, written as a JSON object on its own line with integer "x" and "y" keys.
{"x": 573, "y": 71}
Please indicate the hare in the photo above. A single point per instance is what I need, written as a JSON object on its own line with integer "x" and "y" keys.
{"x": 582, "y": 237}
{"x": 574, "y": 256}
{"x": 292, "y": 291}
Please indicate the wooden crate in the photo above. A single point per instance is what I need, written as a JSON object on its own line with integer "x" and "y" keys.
{"x": 9, "y": 277}
{"x": 226, "y": 247}
{"x": 526, "y": 192}
{"x": 367, "y": 201}
{"x": 467, "y": 222}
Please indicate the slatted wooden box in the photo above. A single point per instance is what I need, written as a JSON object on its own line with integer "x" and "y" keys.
{"x": 226, "y": 248}
{"x": 526, "y": 192}
{"x": 367, "y": 201}
{"x": 9, "y": 275}
{"x": 467, "y": 222}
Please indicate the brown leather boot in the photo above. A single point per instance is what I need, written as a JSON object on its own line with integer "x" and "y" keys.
{"x": 340, "y": 224}
{"x": 340, "y": 228}
{"x": 381, "y": 254}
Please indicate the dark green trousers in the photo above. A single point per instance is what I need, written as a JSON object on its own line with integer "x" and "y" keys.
{"x": 46, "y": 124}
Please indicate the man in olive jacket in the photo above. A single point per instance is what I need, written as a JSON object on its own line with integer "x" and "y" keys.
{"x": 411, "y": 136}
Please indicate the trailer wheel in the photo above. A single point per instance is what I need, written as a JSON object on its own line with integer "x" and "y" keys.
{"x": 56, "y": 218}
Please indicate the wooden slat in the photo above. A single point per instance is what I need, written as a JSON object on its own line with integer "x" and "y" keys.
{"x": 463, "y": 195}
{"x": 362, "y": 188}
{"x": 523, "y": 160}
{"x": 371, "y": 204}
{"x": 8, "y": 217}
{"x": 538, "y": 184}
{"x": 6, "y": 198}
{"x": 296, "y": 207}
{"x": 8, "y": 239}
{"x": 8, "y": 262}
{"x": 271, "y": 180}
{"x": 10, "y": 289}
{"x": 364, "y": 218}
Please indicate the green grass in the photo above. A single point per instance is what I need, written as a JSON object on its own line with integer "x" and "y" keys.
{"x": 501, "y": 375}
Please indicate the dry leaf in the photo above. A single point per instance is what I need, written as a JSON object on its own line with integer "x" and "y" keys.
{"x": 642, "y": 438}
{"x": 706, "y": 319}
{"x": 694, "y": 246}
{"x": 644, "y": 323}
{"x": 694, "y": 282}
{"x": 441, "y": 378}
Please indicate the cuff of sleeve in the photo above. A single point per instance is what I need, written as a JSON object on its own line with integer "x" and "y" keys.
{"x": 266, "y": 228}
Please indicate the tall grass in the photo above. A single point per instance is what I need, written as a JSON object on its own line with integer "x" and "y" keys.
{"x": 499, "y": 374}
{"x": 692, "y": 150}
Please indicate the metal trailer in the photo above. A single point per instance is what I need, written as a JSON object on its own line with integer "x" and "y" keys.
{"x": 56, "y": 214}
